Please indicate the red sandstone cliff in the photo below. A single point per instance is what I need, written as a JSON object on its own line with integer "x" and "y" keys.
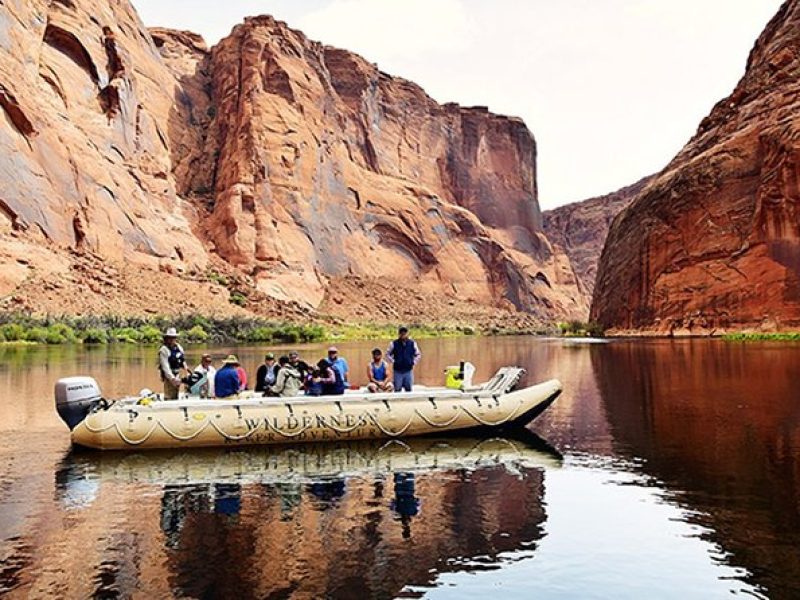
{"x": 580, "y": 230}
{"x": 90, "y": 218}
{"x": 713, "y": 243}
{"x": 328, "y": 168}
{"x": 84, "y": 133}
{"x": 298, "y": 168}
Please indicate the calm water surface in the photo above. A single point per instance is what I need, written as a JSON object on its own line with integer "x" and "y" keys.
{"x": 667, "y": 469}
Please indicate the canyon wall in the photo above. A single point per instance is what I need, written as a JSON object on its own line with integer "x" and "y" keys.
{"x": 299, "y": 170}
{"x": 329, "y": 169}
{"x": 580, "y": 229}
{"x": 712, "y": 244}
{"x": 84, "y": 133}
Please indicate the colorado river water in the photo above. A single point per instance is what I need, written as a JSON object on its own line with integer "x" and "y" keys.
{"x": 667, "y": 469}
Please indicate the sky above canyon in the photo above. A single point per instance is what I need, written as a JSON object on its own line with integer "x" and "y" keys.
{"x": 611, "y": 89}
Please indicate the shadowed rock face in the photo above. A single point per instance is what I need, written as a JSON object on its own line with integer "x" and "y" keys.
{"x": 580, "y": 230}
{"x": 295, "y": 163}
{"x": 713, "y": 242}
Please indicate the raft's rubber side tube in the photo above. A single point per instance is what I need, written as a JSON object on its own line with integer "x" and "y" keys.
{"x": 529, "y": 415}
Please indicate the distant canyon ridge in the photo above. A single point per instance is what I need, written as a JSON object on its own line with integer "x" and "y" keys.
{"x": 145, "y": 173}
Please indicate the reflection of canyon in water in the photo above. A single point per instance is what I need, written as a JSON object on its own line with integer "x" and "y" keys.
{"x": 680, "y": 475}
{"x": 718, "y": 425}
{"x": 370, "y": 534}
{"x": 355, "y": 538}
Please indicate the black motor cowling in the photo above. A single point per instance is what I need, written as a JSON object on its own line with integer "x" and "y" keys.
{"x": 75, "y": 397}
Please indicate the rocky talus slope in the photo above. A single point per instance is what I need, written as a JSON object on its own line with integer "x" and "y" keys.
{"x": 580, "y": 230}
{"x": 712, "y": 244}
{"x": 289, "y": 167}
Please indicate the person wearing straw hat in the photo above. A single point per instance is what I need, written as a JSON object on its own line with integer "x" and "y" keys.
{"x": 226, "y": 381}
{"x": 171, "y": 360}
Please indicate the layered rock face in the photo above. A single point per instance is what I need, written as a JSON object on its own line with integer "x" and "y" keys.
{"x": 85, "y": 112}
{"x": 713, "y": 242}
{"x": 290, "y": 163}
{"x": 329, "y": 168}
{"x": 580, "y": 230}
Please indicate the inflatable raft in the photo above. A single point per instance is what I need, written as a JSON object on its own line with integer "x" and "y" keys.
{"x": 148, "y": 422}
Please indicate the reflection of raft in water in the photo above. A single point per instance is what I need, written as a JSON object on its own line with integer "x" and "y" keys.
{"x": 311, "y": 462}
{"x": 192, "y": 422}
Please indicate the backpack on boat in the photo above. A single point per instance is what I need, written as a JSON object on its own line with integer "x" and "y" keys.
{"x": 195, "y": 381}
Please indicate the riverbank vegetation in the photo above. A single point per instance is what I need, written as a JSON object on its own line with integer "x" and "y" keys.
{"x": 581, "y": 329}
{"x": 762, "y": 337}
{"x": 16, "y": 328}
{"x": 22, "y": 329}
{"x": 388, "y": 332}
{"x": 26, "y": 329}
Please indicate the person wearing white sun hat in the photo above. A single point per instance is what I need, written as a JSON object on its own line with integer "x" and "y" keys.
{"x": 171, "y": 360}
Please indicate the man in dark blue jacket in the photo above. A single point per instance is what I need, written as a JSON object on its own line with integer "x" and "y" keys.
{"x": 404, "y": 354}
{"x": 226, "y": 381}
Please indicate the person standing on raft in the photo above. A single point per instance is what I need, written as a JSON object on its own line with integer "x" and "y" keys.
{"x": 340, "y": 364}
{"x": 404, "y": 354}
{"x": 171, "y": 360}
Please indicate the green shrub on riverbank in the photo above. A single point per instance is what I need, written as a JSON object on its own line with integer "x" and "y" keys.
{"x": 389, "y": 332}
{"x": 581, "y": 329}
{"x": 194, "y": 329}
{"x": 762, "y": 337}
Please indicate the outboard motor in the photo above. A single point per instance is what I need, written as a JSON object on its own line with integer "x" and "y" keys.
{"x": 75, "y": 397}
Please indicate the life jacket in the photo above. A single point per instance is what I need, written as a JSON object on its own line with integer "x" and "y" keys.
{"x": 176, "y": 361}
{"x": 403, "y": 355}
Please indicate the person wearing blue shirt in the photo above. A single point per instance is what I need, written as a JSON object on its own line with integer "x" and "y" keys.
{"x": 340, "y": 364}
{"x": 226, "y": 381}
